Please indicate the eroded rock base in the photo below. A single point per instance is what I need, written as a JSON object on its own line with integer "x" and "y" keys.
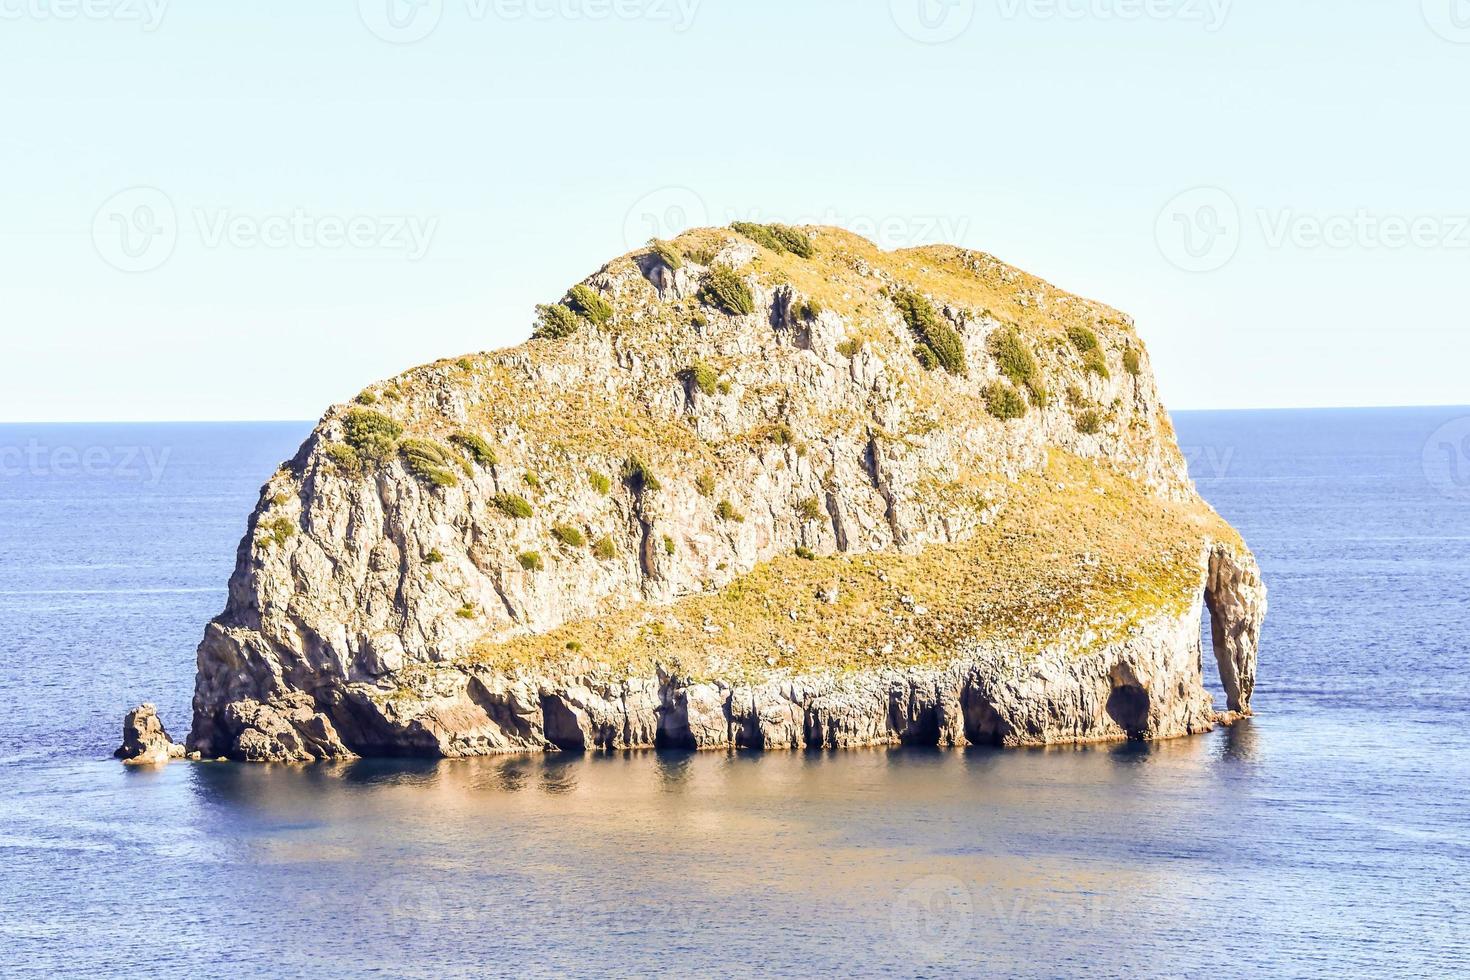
{"x": 1148, "y": 687}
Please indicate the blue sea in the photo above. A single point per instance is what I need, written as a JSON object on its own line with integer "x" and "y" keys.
{"x": 1329, "y": 836}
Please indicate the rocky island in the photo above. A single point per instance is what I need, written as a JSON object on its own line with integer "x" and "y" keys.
{"x": 762, "y": 486}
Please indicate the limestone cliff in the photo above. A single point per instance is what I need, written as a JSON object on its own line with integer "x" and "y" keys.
{"x": 761, "y": 486}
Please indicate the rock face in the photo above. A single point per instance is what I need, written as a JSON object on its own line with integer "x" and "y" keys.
{"x": 144, "y": 741}
{"x": 769, "y": 488}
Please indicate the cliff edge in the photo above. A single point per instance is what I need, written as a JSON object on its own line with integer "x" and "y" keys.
{"x": 759, "y": 486}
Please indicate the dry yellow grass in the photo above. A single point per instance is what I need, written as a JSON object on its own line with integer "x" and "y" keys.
{"x": 1074, "y": 551}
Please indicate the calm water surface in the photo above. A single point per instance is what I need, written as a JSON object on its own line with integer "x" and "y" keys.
{"x": 1330, "y": 835}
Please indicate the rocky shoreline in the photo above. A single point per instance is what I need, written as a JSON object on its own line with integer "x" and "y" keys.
{"x": 1148, "y": 687}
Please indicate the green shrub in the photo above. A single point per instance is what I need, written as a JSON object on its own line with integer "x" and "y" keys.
{"x": 372, "y": 435}
{"x": 531, "y": 561}
{"x": 605, "y": 548}
{"x": 849, "y": 348}
{"x": 699, "y": 319}
{"x": 778, "y": 238}
{"x": 1076, "y": 397}
{"x": 1003, "y": 401}
{"x": 466, "y": 611}
{"x": 705, "y": 484}
{"x": 1089, "y": 422}
{"x": 513, "y": 505}
{"x": 1131, "y": 362}
{"x": 1087, "y": 344}
{"x": 933, "y": 332}
{"x": 344, "y": 457}
{"x": 366, "y": 398}
{"x": 807, "y": 310}
{"x": 704, "y": 256}
{"x": 703, "y": 378}
{"x": 802, "y": 551}
{"x": 429, "y": 461}
{"x": 589, "y": 302}
{"x": 638, "y": 476}
{"x": 574, "y": 646}
{"x": 781, "y": 434}
{"x": 726, "y": 511}
{"x": 477, "y": 448}
{"x": 1015, "y": 360}
{"x": 568, "y": 535}
{"x": 434, "y": 557}
{"x": 532, "y": 480}
{"x": 599, "y": 482}
{"x": 759, "y": 234}
{"x": 669, "y": 546}
{"x": 465, "y": 364}
{"x": 810, "y": 509}
{"x": 1082, "y": 339}
{"x": 796, "y": 242}
{"x": 668, "y": 252}
{"x": 1013, "y": 357}
{"x": 276, "y": 531}
{"x": 555, "y": 321}
{"x": 725, "y": 290}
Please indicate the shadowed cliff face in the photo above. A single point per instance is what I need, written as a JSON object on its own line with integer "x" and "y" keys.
{"x": 778, "y": 490}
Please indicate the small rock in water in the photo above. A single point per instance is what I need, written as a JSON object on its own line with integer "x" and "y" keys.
{"x": 145, "y": 741}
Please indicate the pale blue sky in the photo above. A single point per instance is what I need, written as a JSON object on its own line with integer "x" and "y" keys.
{"x": 520, "y": 143}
